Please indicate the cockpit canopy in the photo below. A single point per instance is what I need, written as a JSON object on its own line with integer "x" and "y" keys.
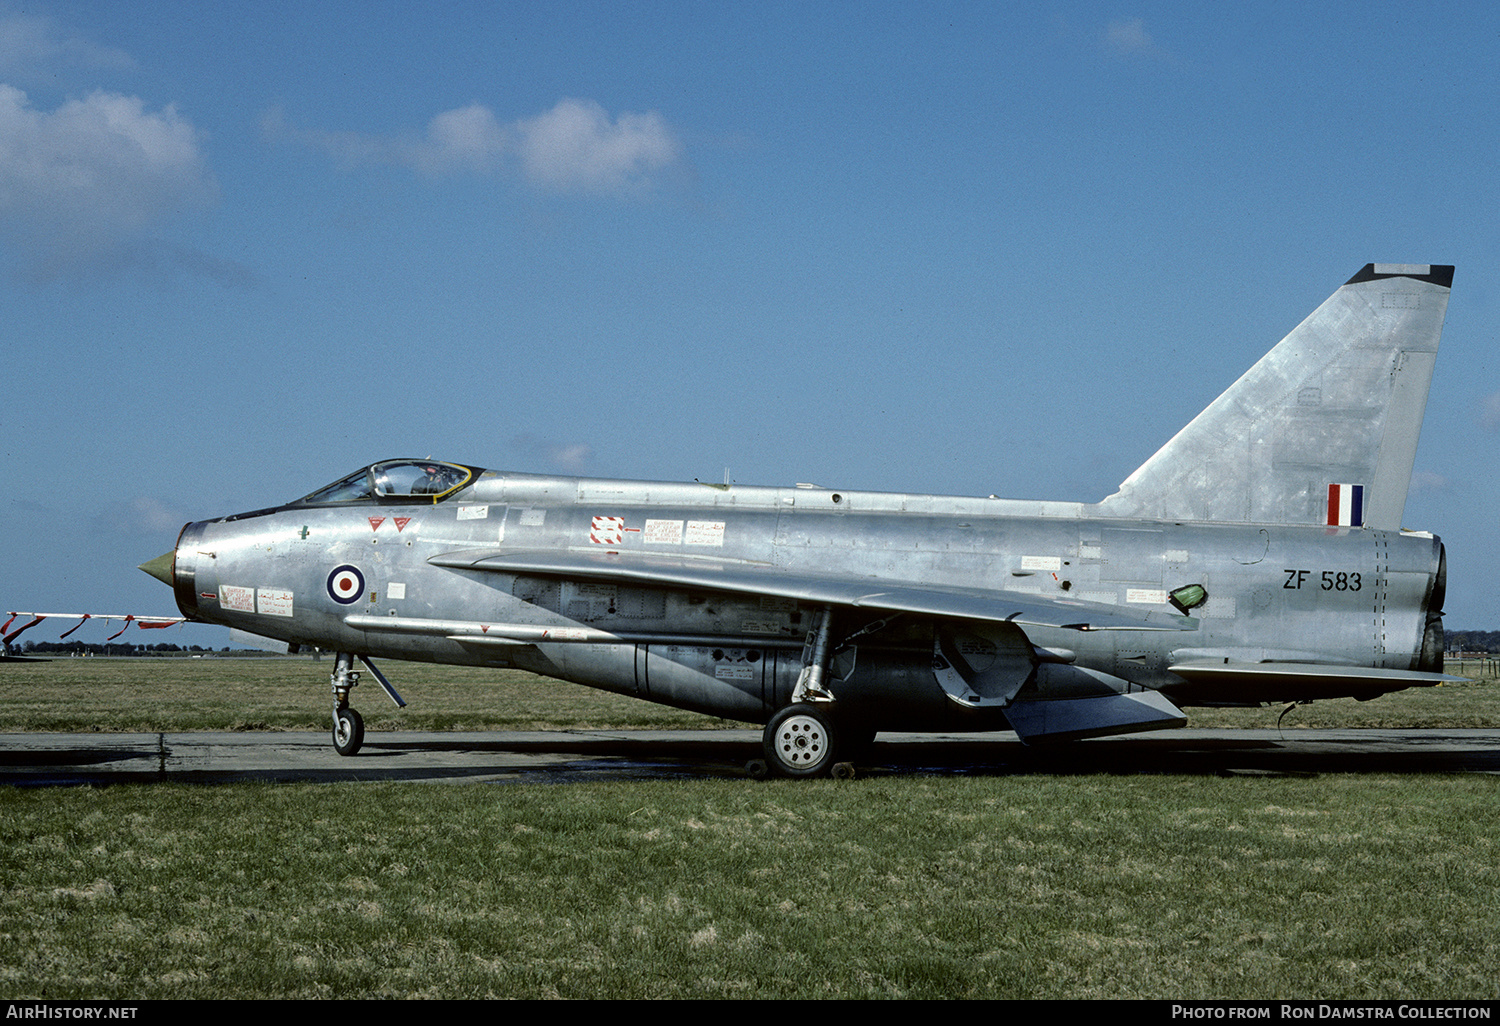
{"x": 396, "y": 481}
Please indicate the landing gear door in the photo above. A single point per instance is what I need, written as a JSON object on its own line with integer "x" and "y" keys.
{"x": 981, "y": 665}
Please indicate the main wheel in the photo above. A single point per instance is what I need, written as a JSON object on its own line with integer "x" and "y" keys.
{"x": 799, "y": 742}
{"x": 348, "y": 731}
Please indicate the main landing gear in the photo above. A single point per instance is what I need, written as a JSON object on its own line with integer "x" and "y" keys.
{"x": 799, "y": 741}
{"x": 348, "y": 724}
{"x": 803, "y": 739}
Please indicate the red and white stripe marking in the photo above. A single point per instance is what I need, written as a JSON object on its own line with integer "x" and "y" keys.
{"x": 607, "y": 531}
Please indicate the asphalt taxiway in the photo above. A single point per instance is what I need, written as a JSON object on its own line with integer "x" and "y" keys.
{"x": 41, "y": 759}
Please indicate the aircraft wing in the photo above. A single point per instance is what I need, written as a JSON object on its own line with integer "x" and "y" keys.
{"x": 817, "y": 588}
{"x": 1336, "y": 679}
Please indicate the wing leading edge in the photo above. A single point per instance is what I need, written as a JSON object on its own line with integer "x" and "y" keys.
{"x": 749, "y": 578}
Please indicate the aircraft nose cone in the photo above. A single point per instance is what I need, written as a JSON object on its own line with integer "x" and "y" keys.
{"x": 161, "y": 567}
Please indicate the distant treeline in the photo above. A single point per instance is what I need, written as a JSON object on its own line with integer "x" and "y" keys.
{"x": 1471, "y": 641}
{"x": 81, "y": 648}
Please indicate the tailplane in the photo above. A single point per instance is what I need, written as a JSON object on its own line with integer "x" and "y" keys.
{"x": 1323, "y": 430}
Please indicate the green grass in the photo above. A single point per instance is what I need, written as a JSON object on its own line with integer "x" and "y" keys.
{"x": 1152, "y": 886}
{"x": 1027, "y": 887}
{"x": 1468, "y": 704}
{"x": 292, "y": 694}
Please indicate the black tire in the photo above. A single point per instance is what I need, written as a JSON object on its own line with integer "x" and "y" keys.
{"x": 348, "y": 731}
{"x": 799, "y": 742}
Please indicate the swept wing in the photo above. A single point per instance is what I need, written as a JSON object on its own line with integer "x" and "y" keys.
{"x": 750, "y": 578}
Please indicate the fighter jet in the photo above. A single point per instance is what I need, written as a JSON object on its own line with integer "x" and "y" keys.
{"x": 1257, "y": 557}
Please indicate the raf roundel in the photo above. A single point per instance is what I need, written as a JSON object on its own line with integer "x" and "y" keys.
{"x": 346, "y": 584}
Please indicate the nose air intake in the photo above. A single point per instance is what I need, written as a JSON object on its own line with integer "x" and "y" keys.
{"x": 177, "y": 569}
{"x": 161, "y": 567}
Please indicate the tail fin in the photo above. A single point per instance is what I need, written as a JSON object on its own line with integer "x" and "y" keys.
{"x": 1323, "y": 430}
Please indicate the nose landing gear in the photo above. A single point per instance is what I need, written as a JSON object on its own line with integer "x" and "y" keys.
{"x": 348, "y": 731}
{"x": 348, "y": 724}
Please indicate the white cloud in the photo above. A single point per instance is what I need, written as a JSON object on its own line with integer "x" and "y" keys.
{"x": 152, "y": 515}
{"x": 142, "y": 516}
{"x": 575, "y": 147}
{"x": 465, "y": 139}
{"x": 91, "y": 176}
{"x": 566, "y": 457}
{"x": 346, "y": 146}
{"x": 1427, "y": 481}
{"x": 571, "y": 457}
{"x": 1129, "y": 37}
{"x": 33, "y": 47}
{"x": 468, "y": 138}
{"x": 1489, "y": 413}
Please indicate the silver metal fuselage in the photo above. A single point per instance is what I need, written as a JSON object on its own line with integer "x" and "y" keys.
{"x": 1256, "y": 557}
{"x": 1276, "y": 594}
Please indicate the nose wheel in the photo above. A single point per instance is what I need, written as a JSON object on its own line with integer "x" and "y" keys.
{"x": 348, "y": 731}
{"x": 348, "y": 724}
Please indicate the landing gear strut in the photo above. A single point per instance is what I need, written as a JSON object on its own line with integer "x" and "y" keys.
{"x": 348, "y": 724}
{"x": 801, "y": 740}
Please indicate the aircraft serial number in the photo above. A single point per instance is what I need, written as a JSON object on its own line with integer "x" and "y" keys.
{"x": 1328, "y": 580}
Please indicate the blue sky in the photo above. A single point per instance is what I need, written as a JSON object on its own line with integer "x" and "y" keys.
{"x": 961, "y": 248}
